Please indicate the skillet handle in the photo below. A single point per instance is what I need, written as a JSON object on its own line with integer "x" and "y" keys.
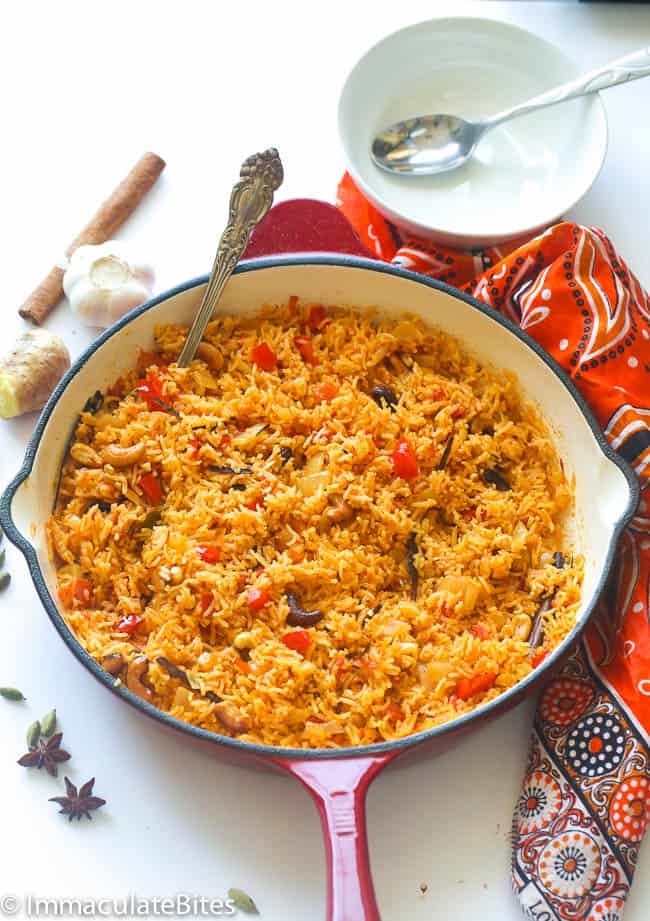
{"x": 338, "y": 787}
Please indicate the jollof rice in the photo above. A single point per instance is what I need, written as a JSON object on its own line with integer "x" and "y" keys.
{"x": 350, "y": 546}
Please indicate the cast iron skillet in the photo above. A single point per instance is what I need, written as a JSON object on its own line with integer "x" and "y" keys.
{"x": 336, "y": 779}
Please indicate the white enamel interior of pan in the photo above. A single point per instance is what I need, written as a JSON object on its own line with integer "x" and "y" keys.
{"x": 602, "y": 492}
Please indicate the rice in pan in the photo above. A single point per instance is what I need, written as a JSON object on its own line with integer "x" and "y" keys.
{"x": 332, "y": 529}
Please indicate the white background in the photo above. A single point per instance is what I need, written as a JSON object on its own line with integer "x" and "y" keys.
{"x": 85, "y": 88}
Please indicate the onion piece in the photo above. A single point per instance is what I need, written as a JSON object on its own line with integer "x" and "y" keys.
{"x": 464, "y": 591}
{"x": 433, "y": 672}
{"x": 313, "y": 484}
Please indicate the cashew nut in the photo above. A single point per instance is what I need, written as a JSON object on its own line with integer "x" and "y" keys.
{"x": 135, "y": 677}
{"x": 85, "y": 455}
{"x": 119, "y": 456}
{"x": 232, "y": 718}
{"x": 341, "y": 513}
{"x": 210, "y": 355}
{"x": 113, "y": 663}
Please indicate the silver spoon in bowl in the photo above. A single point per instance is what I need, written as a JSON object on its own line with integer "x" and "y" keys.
{"x": 429, "y": 144}
{"x": 260, "y": 176}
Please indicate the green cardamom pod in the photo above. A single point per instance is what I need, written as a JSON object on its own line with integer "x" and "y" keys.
{"x": 242, "y": 901}
{"x": 3, "y": 554}
{"x": 5, "y": 579}
{"x": 33, "y": 735}
{"x": 12, "y": 694}
{"x": 48, "y": 724}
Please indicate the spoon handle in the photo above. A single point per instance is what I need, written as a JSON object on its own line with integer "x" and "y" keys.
{"x": 260, "y": 176}
{"x": 631, "y": 67}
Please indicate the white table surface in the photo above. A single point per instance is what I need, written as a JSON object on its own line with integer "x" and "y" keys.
{"x": 87, "y": 87}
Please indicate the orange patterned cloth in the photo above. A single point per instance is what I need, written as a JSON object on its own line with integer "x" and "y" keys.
{"x": 585, "y": 802}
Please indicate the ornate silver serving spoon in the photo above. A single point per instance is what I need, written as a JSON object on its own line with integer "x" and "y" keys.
{"x": 260, "y": 176}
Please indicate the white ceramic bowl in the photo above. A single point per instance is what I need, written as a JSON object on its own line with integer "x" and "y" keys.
{"x": 524, "y": 175}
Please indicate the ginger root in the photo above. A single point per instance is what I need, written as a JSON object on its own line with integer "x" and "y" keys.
{"x": 31, "y": 371}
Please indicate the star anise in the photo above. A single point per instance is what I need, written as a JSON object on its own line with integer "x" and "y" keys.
{"x": 78, "y": 803}
{"x": 47, "y": 753}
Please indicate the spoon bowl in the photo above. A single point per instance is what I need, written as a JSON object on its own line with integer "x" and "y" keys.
{"x": 426, "y": 144}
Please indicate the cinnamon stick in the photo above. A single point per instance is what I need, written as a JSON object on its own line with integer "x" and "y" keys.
{"x": 107, "y": 219}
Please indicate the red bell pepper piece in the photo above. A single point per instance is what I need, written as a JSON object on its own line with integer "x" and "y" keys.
{"x": 150, "y": 486}
{"x": 394, "y": 712}
{"x": 298, "y": 640}
{"x": 129, "y": 624}
{"x": 80, "y": 590}
{"x": 209, "y": 554}
{"x": 316, "y": 316}
{"x": 151, "y": 391}
{"x": 478, "y": 684}
{"x": 326, "y": 392}
{"x": 405, "y": 464}
{"x": 257, "y": 598}
{"x": 264, "y": 356}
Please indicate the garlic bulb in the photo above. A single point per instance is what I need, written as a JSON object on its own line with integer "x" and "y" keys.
{"x": 104, "y": 282}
